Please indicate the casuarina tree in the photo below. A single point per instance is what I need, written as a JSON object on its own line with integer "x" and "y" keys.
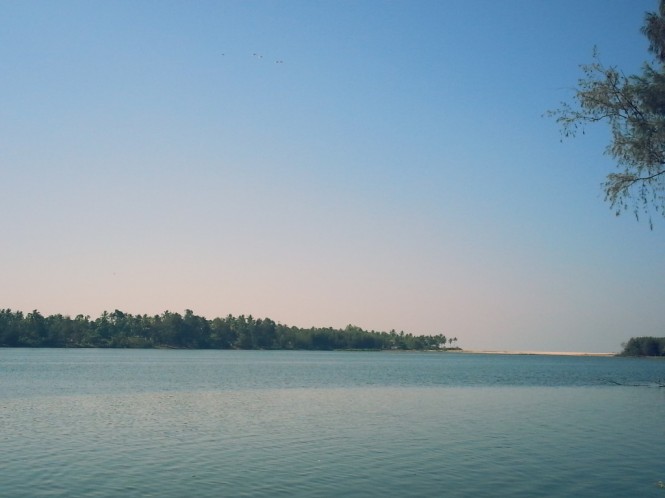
{"x": 634, "y": 108}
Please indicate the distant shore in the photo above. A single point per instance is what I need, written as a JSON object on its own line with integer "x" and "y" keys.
{"x": 537, "y": 353}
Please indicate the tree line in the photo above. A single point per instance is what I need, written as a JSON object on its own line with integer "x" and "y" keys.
{"x": 644, "y": 346}
{"x": 173, "y": 330}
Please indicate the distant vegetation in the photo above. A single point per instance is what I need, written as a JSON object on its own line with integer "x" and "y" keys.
{"x": 173, "y": 330}
{"x": 644, "y": 346}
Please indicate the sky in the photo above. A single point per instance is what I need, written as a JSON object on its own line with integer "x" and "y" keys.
{"x": 385, "y": 164}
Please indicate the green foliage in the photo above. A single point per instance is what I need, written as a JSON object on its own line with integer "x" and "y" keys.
{"x": 173, "y": 330}
{"x": 644, "y": 346}
{"x": 634, "y": 108}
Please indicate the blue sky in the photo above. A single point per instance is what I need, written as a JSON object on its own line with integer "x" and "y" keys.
{"x": 393, "y": 171}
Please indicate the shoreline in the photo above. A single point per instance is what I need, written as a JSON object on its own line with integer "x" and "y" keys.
{"x": 536, "y": 353}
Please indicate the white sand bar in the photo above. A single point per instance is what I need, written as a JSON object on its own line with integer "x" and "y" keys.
{"x": 544, "y": 353}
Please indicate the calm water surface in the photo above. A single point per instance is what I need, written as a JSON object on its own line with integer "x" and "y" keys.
{"x": 106, "y": 423}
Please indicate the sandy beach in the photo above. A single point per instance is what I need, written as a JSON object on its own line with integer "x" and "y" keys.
{"x": 541, "y": 353}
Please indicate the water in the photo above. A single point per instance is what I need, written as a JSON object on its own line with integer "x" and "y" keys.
{"x": 107, "y": 423}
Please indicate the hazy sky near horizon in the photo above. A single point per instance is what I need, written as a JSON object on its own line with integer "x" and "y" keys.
{"x": 378, "y": 163}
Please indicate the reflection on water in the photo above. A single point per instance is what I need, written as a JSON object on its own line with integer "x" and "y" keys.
{"x": 296, "y": 433}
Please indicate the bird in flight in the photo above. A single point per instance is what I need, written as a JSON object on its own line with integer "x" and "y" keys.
{"x": 259, "y": 56}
